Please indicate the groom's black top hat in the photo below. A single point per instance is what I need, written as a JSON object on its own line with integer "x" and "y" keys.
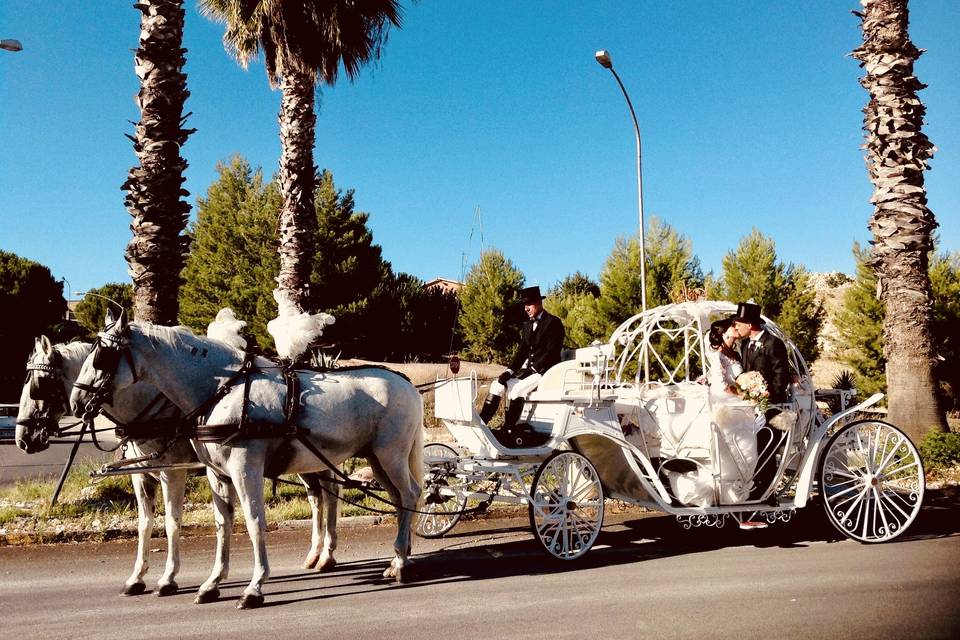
{"x": 748, "y": 312}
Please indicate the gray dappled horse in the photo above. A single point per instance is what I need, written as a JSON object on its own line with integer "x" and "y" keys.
{"x": 371, "y": 412}
{"x": 52, "y": 370}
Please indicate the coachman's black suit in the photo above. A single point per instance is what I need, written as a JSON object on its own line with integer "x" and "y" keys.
{"x": 542, "y": 347}
{"x": 538, "y": 351}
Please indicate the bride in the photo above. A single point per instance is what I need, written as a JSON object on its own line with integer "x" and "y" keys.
{"x": 736, "y": 421}
{"x": 723, "y": 361}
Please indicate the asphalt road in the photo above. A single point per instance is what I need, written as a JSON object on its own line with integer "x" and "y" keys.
{"x": 645, "y": 578}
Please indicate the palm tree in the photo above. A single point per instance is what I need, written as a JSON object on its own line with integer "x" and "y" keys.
{"x": 157, "y": 251}
{"x": 303, "y": 43}
{"x": 902, "y": 225}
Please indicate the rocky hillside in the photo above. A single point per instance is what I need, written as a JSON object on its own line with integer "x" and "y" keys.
{"x": 830, "y": 288}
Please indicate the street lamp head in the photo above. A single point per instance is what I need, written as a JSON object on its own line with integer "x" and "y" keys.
{"x": 11, "y": 45}
{"x": 603, "y": 57}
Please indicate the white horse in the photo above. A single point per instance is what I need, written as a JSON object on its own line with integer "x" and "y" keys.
{"x": 44, "y": 400}
{"x": 371, "y": 412}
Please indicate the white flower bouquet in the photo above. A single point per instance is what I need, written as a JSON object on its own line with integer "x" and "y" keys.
{"x": 751, "y": 386}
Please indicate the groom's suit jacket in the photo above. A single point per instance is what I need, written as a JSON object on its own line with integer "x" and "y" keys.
{"x": 769, "y": 357}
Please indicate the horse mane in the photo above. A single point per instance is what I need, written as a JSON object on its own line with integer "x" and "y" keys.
{"x": 181, "y": 336}
{"x": 73, "y": 350}
{"x": 357, "y": 367}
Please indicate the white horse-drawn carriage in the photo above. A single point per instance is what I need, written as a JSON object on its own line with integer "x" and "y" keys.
{"x": 626, "y": 420}
{"x": 630, "y": 420}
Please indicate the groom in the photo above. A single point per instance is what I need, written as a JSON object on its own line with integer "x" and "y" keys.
{"x": 761, "y": 351}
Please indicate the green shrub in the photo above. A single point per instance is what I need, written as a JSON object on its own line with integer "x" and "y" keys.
{"x": 939, "y": 449}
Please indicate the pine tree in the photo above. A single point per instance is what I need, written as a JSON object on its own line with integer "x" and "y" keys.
{"x": 945, "y": 281}
{"x": 670, "y": 265}
{"x": 233, "y": 260}
{"x": 860, "y": 325}
{"x": 751, "y": 271}
{"x": 348, "y": 271}
{"x": 580, "y": 315}
{"x": 92, "y": 310}
{"x": 576, "y": 283}
{"x": 31, "y": 304}
{"x": 490, "y": 313}
{"x": 784, "y": 292}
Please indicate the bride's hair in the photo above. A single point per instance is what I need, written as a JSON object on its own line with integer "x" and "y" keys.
{"x": 717, "y": 329}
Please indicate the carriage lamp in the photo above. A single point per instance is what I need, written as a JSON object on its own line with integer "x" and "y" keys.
{"x": 11, "y": 45}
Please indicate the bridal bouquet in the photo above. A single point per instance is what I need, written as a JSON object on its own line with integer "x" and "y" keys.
{"x": 751, "y": 386}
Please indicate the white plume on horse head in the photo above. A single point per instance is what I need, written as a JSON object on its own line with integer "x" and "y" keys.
{"x": 293, "y": 330}
{"x": 226, "y": 329}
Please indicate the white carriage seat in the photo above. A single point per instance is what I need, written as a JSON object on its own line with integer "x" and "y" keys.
{"x": 454, "y": 405}
{"x": 580, "y": 375}
{"x": 681, "y": 413}
{"x": 717, "y": 433}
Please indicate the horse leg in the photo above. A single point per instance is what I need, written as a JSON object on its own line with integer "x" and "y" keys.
{"x": 248, "y": 483}
{"x": 223, "y": 517}
{"x": 174, "y": 485}
{"x": 404, "y": 489}
{"x": 322, "y": 495}
{"x": 145, "y": 490}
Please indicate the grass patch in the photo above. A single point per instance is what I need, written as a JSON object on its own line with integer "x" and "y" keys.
{"x": 9, "y": 514}
{"x": 940, "y": 450}
{"x": 107, "y": 508}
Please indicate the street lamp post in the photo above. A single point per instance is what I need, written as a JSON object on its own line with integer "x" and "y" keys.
{"x": 11, "y": 45}
{"x": 603, "y": 57}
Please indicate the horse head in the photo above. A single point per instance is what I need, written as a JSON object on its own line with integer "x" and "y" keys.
{"x": 108, "y": 368}
{"x": 43, "y": 400}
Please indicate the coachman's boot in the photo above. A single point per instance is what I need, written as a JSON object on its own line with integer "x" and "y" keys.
{"x": 489, "y": 408}
{"x": 513, "y": 413}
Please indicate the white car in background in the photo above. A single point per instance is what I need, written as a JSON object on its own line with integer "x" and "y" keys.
{"x": 8, "y": 420}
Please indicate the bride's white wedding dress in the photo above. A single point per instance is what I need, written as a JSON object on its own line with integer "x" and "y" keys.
{"x": 736, "y": 451}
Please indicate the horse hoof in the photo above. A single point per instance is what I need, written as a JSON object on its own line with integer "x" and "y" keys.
{"x": 135, "y": 589}
{"x": 250, "y": 602}
{"x": 327, "y": 566}
{"x": 167, "y": 589}
{"x": 394, "y": 572}
{"x": 207, "y": 596}
{"x": 311, "y": 561}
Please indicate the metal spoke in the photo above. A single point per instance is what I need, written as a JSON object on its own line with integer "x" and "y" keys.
{"x": 861, "y": 498}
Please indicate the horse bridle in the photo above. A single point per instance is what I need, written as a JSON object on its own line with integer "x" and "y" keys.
{"x": 44, "y": 388}
{"x": 106, "y": 359}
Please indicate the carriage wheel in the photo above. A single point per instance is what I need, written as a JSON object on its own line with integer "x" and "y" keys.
{"x": 443, "y": 498}
{"x": 871, "y": 481}
{"x": 566, "y": 505}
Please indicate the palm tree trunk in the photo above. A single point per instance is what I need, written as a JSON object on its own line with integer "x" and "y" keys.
{"x": 902, "y": 225}
{"x": 298, "y": 219}
{"x": 158, "y": 249}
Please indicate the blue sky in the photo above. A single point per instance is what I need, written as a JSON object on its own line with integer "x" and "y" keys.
{"x": 750, "y": 115}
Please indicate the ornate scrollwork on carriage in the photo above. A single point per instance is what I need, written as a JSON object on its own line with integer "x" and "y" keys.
{"x": 716, "y": 520}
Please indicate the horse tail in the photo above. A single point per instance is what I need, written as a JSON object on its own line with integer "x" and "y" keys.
{"x": 416, "y": 452}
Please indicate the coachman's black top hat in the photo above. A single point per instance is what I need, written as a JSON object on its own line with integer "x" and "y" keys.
{"x": 530, "y": 295}
{"x": 748, "y": 312}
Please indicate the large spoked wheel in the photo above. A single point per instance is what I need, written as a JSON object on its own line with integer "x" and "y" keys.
{"x": 871, "y": 481}
{"x": 443, "y": 499}
{"x": 566, "y": 505}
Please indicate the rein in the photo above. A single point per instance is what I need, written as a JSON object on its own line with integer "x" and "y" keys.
{"x": 191, "y": 425}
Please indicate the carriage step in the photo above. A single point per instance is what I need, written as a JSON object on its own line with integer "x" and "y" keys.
{"x": 749, "y": 525}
